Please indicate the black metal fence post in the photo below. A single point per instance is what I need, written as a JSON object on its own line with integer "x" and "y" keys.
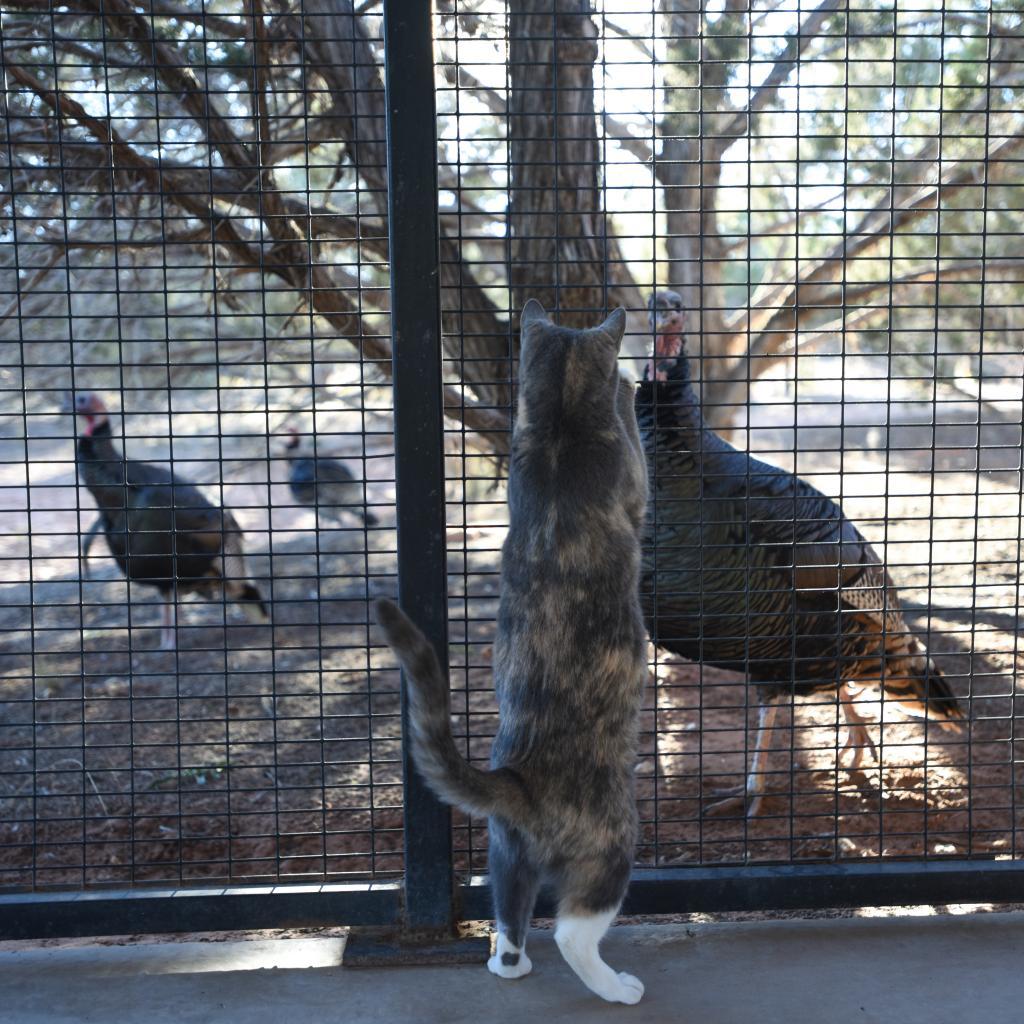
{"x": 419, "y": 416}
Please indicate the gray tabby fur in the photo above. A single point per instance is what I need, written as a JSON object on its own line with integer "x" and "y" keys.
{"x": 569, "y": 656}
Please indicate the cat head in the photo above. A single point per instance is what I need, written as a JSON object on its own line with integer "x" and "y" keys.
{"x": 566, "y": 368}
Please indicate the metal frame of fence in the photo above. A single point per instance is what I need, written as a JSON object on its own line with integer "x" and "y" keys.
{"x": 430, "y": 899}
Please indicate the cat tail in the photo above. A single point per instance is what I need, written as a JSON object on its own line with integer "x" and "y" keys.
{"x": 455, "y": 781}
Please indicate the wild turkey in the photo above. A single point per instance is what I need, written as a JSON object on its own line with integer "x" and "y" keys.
{"x": 161, "y": 531}
{"x": 326, "y": 485}
{"x": 748, "y": 567}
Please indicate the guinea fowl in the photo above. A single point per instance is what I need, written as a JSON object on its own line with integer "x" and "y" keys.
{"x": 748, "y": 567}
{"x": 327, "y": 485}
{"x": 160, "y": 529}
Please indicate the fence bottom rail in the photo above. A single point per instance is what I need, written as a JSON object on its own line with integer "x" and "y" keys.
{"x": 378, "y": 905}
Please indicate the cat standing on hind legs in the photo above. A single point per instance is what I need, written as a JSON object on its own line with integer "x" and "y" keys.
{"x": 569, "y": 657}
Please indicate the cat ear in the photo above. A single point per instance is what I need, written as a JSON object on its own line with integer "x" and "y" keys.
{"x": 615, "y": 325}
{"x": 533, "y": 312}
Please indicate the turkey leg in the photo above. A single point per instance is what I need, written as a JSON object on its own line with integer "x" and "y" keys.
{"x": 858, "y": 739}
{"x": 168, "y": 636}
{"x": 753, "y": 789}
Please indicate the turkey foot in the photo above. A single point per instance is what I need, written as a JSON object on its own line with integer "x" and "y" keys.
{"x": 738, "y": 800}
{"x": 858, "y": 739}
{"x": 753, "y": 789}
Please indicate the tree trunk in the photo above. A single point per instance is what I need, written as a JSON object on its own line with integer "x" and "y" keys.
{"x": 560, "y": 251}
{"x": 690, "y": 170}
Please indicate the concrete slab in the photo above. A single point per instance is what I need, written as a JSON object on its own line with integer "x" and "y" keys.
{"x": 937, "y": 970}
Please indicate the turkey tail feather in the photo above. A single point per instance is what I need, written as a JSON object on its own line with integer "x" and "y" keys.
{"x": 251, "y": 601}
{"x": 923, "y": 691}
{"x": 237, "y": 584}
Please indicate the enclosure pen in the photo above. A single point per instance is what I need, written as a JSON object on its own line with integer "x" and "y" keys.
{"x": 261, "y": 268}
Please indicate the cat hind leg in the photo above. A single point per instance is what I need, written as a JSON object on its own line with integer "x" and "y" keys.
{"x": 586, "y": 910}
{"x": 514, "y": 881}
{"x": 578, "y": 936}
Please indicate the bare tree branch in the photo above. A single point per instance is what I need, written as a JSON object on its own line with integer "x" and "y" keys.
{"x": 640, "y": 44}
{"x": 223, "y": 230}
{"x": 782, "y": 227}
{"x": 973, "y": 271}
{"x": 269, "y": 196}
{"x": 852, "y": 320}
{"x": 337, "y": 48}
{"x": 459, "y": 77}
{"x": 209, "y": 23}
{"x": 93, "y": 58}
{"x": 169, "y": 64}
{"x": 783, "y": 67}
{"x": 876, "y": 227}
{"x": 619, "y": 130}
{"x": 988, "y": 271}
{"x": 30, "y": 285}
{"x": 286, "y": 258}
{"x": 222, "y": 26}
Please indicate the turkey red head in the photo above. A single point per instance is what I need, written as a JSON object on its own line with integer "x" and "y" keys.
{"x": 90, "y": 407}
{"x": 666, "y": 318}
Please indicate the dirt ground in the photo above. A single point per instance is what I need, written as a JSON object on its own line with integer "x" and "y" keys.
{"x": 272, "y": 752}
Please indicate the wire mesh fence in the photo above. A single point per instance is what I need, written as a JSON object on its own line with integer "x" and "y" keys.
{"x": 833, "y": 192}
{"x": 195, "y": 234}
{"x": 246, "y": 751}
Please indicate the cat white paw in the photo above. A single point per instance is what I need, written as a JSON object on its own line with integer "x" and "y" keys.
{"x": 517, "y": 970}
{"x": 629, "y": 990}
